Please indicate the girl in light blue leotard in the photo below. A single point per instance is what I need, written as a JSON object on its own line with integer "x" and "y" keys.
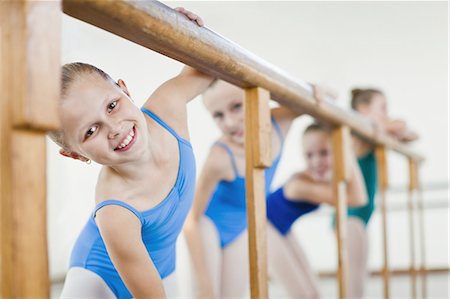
{"x": 216, "y": 229}
{"x": 145, "y": 187}
{"x": 143, "y": 193}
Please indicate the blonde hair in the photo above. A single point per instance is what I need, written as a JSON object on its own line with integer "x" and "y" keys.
{"x": 69, "y": 73}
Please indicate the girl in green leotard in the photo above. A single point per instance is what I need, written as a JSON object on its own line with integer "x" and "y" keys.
{"x": 372, "y": 104}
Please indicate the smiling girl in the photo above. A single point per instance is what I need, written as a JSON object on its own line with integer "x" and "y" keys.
{"x": 145, "y": 187}
{"x": 300, "y": 195}
{"x": 216, "y": 228}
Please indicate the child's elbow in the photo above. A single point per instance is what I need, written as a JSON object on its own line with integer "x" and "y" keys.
{"x": 358, "y": 201}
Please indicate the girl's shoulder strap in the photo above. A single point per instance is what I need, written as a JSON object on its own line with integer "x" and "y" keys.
{"x": 230, "y": 154}
{"x": 277, "y": 129}
{"x": 118, "y": 203}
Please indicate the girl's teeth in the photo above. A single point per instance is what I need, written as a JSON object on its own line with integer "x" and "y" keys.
{"x": 127, "y": 140}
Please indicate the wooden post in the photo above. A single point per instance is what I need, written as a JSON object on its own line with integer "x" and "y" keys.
{"x": 5, "y": 180}
{"x": 422, "y": 236}
{"x": 380, "y": 153}
{"x": 340, "y": 137}
{"x": 30, "y": 76}
{"x": 411, "y": 209}
{"x": 258, "y": 156}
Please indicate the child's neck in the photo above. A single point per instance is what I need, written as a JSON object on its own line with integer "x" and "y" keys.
{"x": 132, "y": 171}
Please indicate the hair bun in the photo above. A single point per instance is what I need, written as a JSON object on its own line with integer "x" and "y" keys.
{"x": 356, "y": 91}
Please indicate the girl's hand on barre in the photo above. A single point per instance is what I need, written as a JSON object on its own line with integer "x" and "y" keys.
{"x": 190, "y": 15}
{"x": 408, "y": 136}
{"x": 394, "y": 126}
{"x": 323, "y": 93}
{"x": 398, "y": 129}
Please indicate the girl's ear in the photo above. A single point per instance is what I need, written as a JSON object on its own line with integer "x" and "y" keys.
{"x": 73, "y": 155}
{"x": 123, "y": 86}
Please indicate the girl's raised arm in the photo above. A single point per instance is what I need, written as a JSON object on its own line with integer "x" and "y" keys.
{"x": 303, "y": 188}
{"x": 212, "y": 173}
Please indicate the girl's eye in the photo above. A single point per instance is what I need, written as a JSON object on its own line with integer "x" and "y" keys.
{"x": 218, "y": 115}
{"x": 112, "y": 105}
{"x": 90, "y": 131}
{"x": 237, "y": 106}
{"x": 324, "y": 153}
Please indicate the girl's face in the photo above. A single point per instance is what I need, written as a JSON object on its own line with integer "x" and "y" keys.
{"x": 225, "y": 103}
{"x": 376, "y": 110}
{"x": 101, "y": 123}
{"x": 317, "y": 152}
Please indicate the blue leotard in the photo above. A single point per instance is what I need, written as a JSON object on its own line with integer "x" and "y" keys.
{"x": 282, "y": 212}
{"x": 161, "y": 225}
{"x": 227, "y": 206}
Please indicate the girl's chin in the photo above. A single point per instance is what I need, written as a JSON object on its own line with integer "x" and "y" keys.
{"x": 238, "y": 140}
{"x": 322, "y": 177}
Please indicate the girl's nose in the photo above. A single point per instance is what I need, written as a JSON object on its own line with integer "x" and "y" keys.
{"x": 229, "y": 122}
{"x": 113, "y": 135}
{"x": 114, "y": 131}
{"x": 316, "y": 162}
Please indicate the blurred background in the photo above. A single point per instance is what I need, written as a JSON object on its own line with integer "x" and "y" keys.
{"x": 398, "y": 47}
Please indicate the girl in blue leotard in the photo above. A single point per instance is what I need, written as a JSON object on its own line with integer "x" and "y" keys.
{"x": 372, "y": 104}
{"x": 302, "y": 194}
{"x": 216, "y": 229}
{"x": 145, "y": 187}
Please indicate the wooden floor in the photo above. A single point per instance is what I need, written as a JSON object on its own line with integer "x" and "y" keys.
{"x": 438, "y": 287}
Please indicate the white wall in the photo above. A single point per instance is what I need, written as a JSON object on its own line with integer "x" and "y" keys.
{"x": 399, "y": 47}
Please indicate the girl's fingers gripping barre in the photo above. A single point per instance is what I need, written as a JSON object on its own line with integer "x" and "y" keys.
{"x": 190, "y": 15}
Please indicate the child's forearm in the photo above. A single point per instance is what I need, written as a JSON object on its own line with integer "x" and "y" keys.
{"x": 398, "y": 129}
